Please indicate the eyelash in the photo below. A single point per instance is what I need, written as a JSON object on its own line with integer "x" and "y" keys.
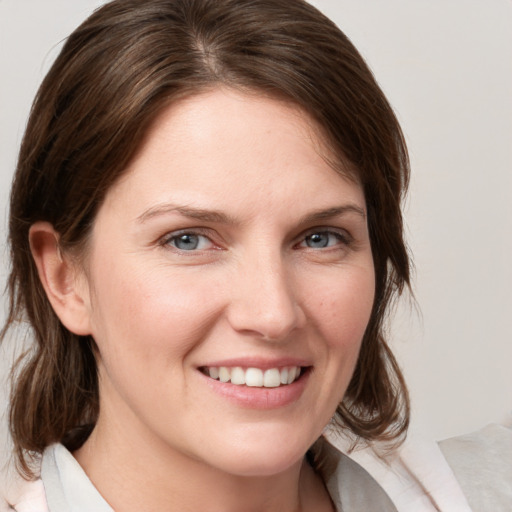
{"x": 342, "y": 236}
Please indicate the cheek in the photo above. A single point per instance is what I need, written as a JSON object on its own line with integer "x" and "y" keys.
{"x": 148, "y": 320}
{"x": 343, "y": 310}
{"x": 151, "y": 312}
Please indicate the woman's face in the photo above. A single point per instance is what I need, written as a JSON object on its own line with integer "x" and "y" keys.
{"x": 229, "y": 250}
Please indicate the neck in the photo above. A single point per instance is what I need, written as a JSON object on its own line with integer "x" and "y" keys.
{"x": 132, "y": 473}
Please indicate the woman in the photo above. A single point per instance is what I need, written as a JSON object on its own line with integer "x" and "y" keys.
{"x": 206, "y": 234}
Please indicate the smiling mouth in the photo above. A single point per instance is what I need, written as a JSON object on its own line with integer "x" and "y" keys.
{"x": 255, "y": 377}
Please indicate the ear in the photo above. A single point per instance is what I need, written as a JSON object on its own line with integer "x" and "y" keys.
{"x": 64, "y": 283}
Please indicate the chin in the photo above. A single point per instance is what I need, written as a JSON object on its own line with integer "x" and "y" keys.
{"x": 261, "y": 466}
{"x": 250, "y": 458}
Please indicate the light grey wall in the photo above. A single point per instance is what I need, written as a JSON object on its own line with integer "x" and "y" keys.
{"x": 446, "y": 67}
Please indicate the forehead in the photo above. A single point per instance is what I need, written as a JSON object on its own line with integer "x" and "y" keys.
{"x": 232, "y": 144}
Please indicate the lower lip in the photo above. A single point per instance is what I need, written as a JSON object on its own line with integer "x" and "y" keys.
{"x": 259, "y": 398}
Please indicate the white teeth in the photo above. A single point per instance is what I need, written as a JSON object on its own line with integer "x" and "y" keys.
{"x": 272, "y": 378}
{"x": 255, "y": 377}
{"x": 292, "y": 373}
{"x": 237, "y": 376}
{"x": 224, "y": 374}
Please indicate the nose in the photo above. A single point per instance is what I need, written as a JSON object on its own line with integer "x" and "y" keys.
{"x": 264, "y": 300}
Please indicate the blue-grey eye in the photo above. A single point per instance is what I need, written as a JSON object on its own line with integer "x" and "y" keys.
{"x": 186, "y": 242}
{"x": 190, "y": 242}
{"x": 322, "y": 239}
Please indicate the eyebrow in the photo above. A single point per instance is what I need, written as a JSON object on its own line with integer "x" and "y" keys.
{"x": 330, "y": 213}
{"x": 187, "y": 211}
{"x": 214, "y": 216}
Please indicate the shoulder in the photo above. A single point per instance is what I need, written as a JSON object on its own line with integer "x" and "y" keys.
{"x": 22, "y": 496}
{"x": 17, "y": 493}
{"x": 482, "y": 464}
{"x": 351, "y": 486}
{"x": 415, "y": 476}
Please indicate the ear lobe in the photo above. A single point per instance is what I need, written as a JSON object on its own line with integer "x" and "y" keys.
{"x": 64, "y": 286}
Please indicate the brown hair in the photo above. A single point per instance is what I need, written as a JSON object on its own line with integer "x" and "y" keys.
{"x": 114, "y": 75}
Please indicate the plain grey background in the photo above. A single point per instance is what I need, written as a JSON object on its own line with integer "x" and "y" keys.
{"x": 446, "y": 66}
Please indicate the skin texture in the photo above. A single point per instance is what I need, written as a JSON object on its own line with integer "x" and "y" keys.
{"x": 256, "y": 288}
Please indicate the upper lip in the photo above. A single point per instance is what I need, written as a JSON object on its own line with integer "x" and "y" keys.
{"x": 257, "y": 362}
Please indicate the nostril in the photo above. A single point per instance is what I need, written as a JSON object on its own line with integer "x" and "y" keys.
{"x": 271, "y": 327}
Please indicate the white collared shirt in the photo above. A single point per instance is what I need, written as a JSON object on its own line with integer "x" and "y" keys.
{"x": 415, "y": 478}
